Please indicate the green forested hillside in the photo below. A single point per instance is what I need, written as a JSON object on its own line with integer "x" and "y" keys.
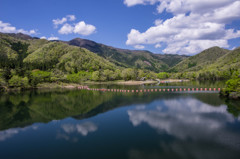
{"x": 130, "y": 58}
{"x": 66, "y": 58}
{"x": 200, "y": 61}
{"x": 229, "y": 60}
{"x": 212, "y": 64}
{"x": 26, "y": 62}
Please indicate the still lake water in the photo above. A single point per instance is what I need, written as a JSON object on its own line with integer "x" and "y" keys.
{"x": 105, "y": 125}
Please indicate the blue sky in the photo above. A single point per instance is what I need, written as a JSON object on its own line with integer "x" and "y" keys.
{"x": 161, "y": 26}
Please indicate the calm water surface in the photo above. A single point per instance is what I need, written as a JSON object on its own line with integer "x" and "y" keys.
{"x": 104, "y": 125}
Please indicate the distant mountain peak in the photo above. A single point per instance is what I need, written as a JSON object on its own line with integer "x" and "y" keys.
{"x": 81, "y": 42}
{"x": 20, "y": 36}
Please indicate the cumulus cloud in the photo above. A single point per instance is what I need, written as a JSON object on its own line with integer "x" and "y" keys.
{"x": 8, "y": 28}
{"x": 63, "y": 20}
{"x": 50, "y": 38}
{"x": 80, "y": 28}
{"x": 43, "y": 37}
{"x": 71, "y": 17}
{"x": 158, "y": 45}
{"x": 139, "y": 47}
{"x": 130, "y": 3}
{"x": 66, "y": 29}
{"x": 53, "y": 38}
{"x": 75, "y": 28}
{"x": 84, "y": 29}
{"x": 195, "y": 26}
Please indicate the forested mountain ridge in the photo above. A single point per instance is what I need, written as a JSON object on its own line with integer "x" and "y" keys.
{"x": 200, "y": 61}
{"x": 229, "y": 60}
{"x": 212, "y": 64}
{"x": 44, "y": 55}
{"x": 25, "y": 61}
{"x": 140, "y": 59}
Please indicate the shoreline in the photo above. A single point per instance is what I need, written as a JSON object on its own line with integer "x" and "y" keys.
{"x": 133, "y": 82}
{"x": 173, "y": 80}
{"x": 75, "y": 85}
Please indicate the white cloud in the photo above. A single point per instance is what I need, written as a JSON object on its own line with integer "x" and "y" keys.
{"x": 50, "y": 38}
{"x": 77, "y": 28}
{"x": 8, "y": 28}
{"x": 57, "y": 22}
{"x": 204, "y": 26}
{"x": 53, "y": 38}
{"x": 66, "y": 29}
{"x": 84, "y": 29}
{"x": 182, "y": 6}
{"x": 43, "y": 37}
{"x": 63, "y": 20}
{"x": 71, "y": 17}
{"x": 139, "y": 47}
{"x": 158, "y": 46}
{"x": 130, "y": 3}
{"x": 158, "y": 22}
{"x": 80, "y": 28}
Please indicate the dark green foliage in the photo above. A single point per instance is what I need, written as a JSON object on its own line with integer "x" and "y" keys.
{"x": 47, "y": 56}
{"x": 45, "y": 61}
{"x": 21, "y": 49}
{"x": 17, "y": 81}
{"x": 78, "y": 59}
{"x": 162, "y": 75}
{"x": 233, "y": 87}
{"x": 230, "y": 61}
{"x": 38, "y": 76}
{"x": 192, "y": 64}
{"x": 199, "y": 61}
{"x": 130, "y": 58}
{"x": 79, "y": 77}
{"x": 12, "y": 53}
{"x": 95, "y": 76}
{"x": 57, "y": 76}
{"x": 2, "y": 82}
{"x": 129, "y": 74}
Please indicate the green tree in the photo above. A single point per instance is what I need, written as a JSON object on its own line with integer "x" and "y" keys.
{"x": 95, "y": 76}
{"x": 162, "y": 75}
{"x": 38, "y": 76}
{"x": 17, "y": 81}
{"x": 128, "y": 74}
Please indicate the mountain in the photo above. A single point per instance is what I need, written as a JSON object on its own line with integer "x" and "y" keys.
{"x": 118, "y": 57}
{"x": 20, "y": 36}
{"x": 81, "y": 54}
{"x": 230, "y": 60}
{"x": 200, "y": 61}
{"x": 17, "y": 50}
{"x": 130, "y": 58}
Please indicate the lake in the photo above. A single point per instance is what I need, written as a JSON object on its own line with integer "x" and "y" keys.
{"x": 86, "y": 124}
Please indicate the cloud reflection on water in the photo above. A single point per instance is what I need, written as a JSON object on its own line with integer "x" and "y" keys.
{"x": 82, "y": 129}
{"x": 188, "y": 118}
{"x": 69, "y": 131}
{"x": 9, "y": 133}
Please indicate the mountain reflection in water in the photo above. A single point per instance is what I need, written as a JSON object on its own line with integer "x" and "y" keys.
{"x": 76, "y": 123}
